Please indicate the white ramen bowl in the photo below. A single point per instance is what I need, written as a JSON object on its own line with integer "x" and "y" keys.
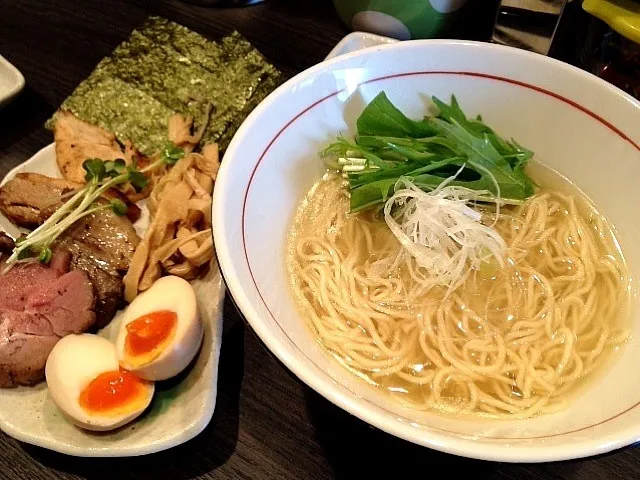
{"x": 582, "y": 127}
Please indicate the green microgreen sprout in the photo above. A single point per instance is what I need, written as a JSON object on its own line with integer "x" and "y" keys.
{"x": 100, "y": 176}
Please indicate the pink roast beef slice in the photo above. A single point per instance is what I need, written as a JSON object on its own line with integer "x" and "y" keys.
{"x": 101, "y": 244}
{"x": 38, "y": 306}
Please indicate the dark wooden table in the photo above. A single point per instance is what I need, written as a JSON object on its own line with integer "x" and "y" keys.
{"x": 267, "y": 424}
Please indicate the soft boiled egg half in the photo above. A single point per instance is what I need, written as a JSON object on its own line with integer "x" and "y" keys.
{"x": 161, "y": 331}
{"x": 86, "y": 383}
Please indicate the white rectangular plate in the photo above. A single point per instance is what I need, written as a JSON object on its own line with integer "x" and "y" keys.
{"x": 181, "y": 408}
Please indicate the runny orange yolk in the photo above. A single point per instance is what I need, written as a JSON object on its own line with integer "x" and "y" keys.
{"x": 113, "y": 392}
{"x": 145, "y": 334}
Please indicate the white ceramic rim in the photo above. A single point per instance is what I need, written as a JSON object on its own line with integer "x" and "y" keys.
{"x": 356, "y": 41}
{"x": 325, "y": 385}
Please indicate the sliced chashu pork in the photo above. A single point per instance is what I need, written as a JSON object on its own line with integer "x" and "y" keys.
{"x": 29, "y": 199}
{"x": 102, "y": 244}
{"x": 76, "y": 141}
{"x": 38, "y": 306}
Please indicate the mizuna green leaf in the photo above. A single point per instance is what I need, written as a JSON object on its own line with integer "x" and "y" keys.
{"x": 390, "y": 146}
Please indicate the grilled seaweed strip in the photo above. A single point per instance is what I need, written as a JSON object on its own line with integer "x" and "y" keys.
{"x": 163, "y": 69}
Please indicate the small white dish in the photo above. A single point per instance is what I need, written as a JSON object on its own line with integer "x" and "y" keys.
{"x": 181, "y": 407}
{"x": 11, "y": 81}
{"x": 576, "y": 123}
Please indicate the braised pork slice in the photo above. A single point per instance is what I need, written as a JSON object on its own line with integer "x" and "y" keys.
{"x": 102, "y": 245}
{"x": 29, "y": 198}
{"x": 38, "y": 306}
{"x": 77, "y": 140}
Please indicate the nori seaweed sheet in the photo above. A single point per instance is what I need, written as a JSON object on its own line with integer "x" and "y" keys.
{"x": 165, "y": 68}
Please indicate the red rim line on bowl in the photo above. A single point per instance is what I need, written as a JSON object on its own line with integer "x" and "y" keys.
{"x": 511, "y": 81}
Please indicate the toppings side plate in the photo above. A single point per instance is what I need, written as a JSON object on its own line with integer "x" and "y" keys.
{"x": 181, "y": 408}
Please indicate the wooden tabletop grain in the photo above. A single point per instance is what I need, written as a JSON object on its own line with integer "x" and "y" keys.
{"x": 267, "y": 423}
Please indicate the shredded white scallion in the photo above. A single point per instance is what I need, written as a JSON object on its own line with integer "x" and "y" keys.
{"x": 439, "y": 229}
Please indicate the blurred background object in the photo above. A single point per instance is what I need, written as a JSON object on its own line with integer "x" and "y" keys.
{"x": 225, "y": 3}
{"x": 408, "y": 19}
{"x": 602, "y": 37}
{"x": 528, "y": 24}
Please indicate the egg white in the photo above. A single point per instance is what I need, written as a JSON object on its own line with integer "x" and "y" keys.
{"x": 72, "y": 364}
{"x": 167, "y": 293}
